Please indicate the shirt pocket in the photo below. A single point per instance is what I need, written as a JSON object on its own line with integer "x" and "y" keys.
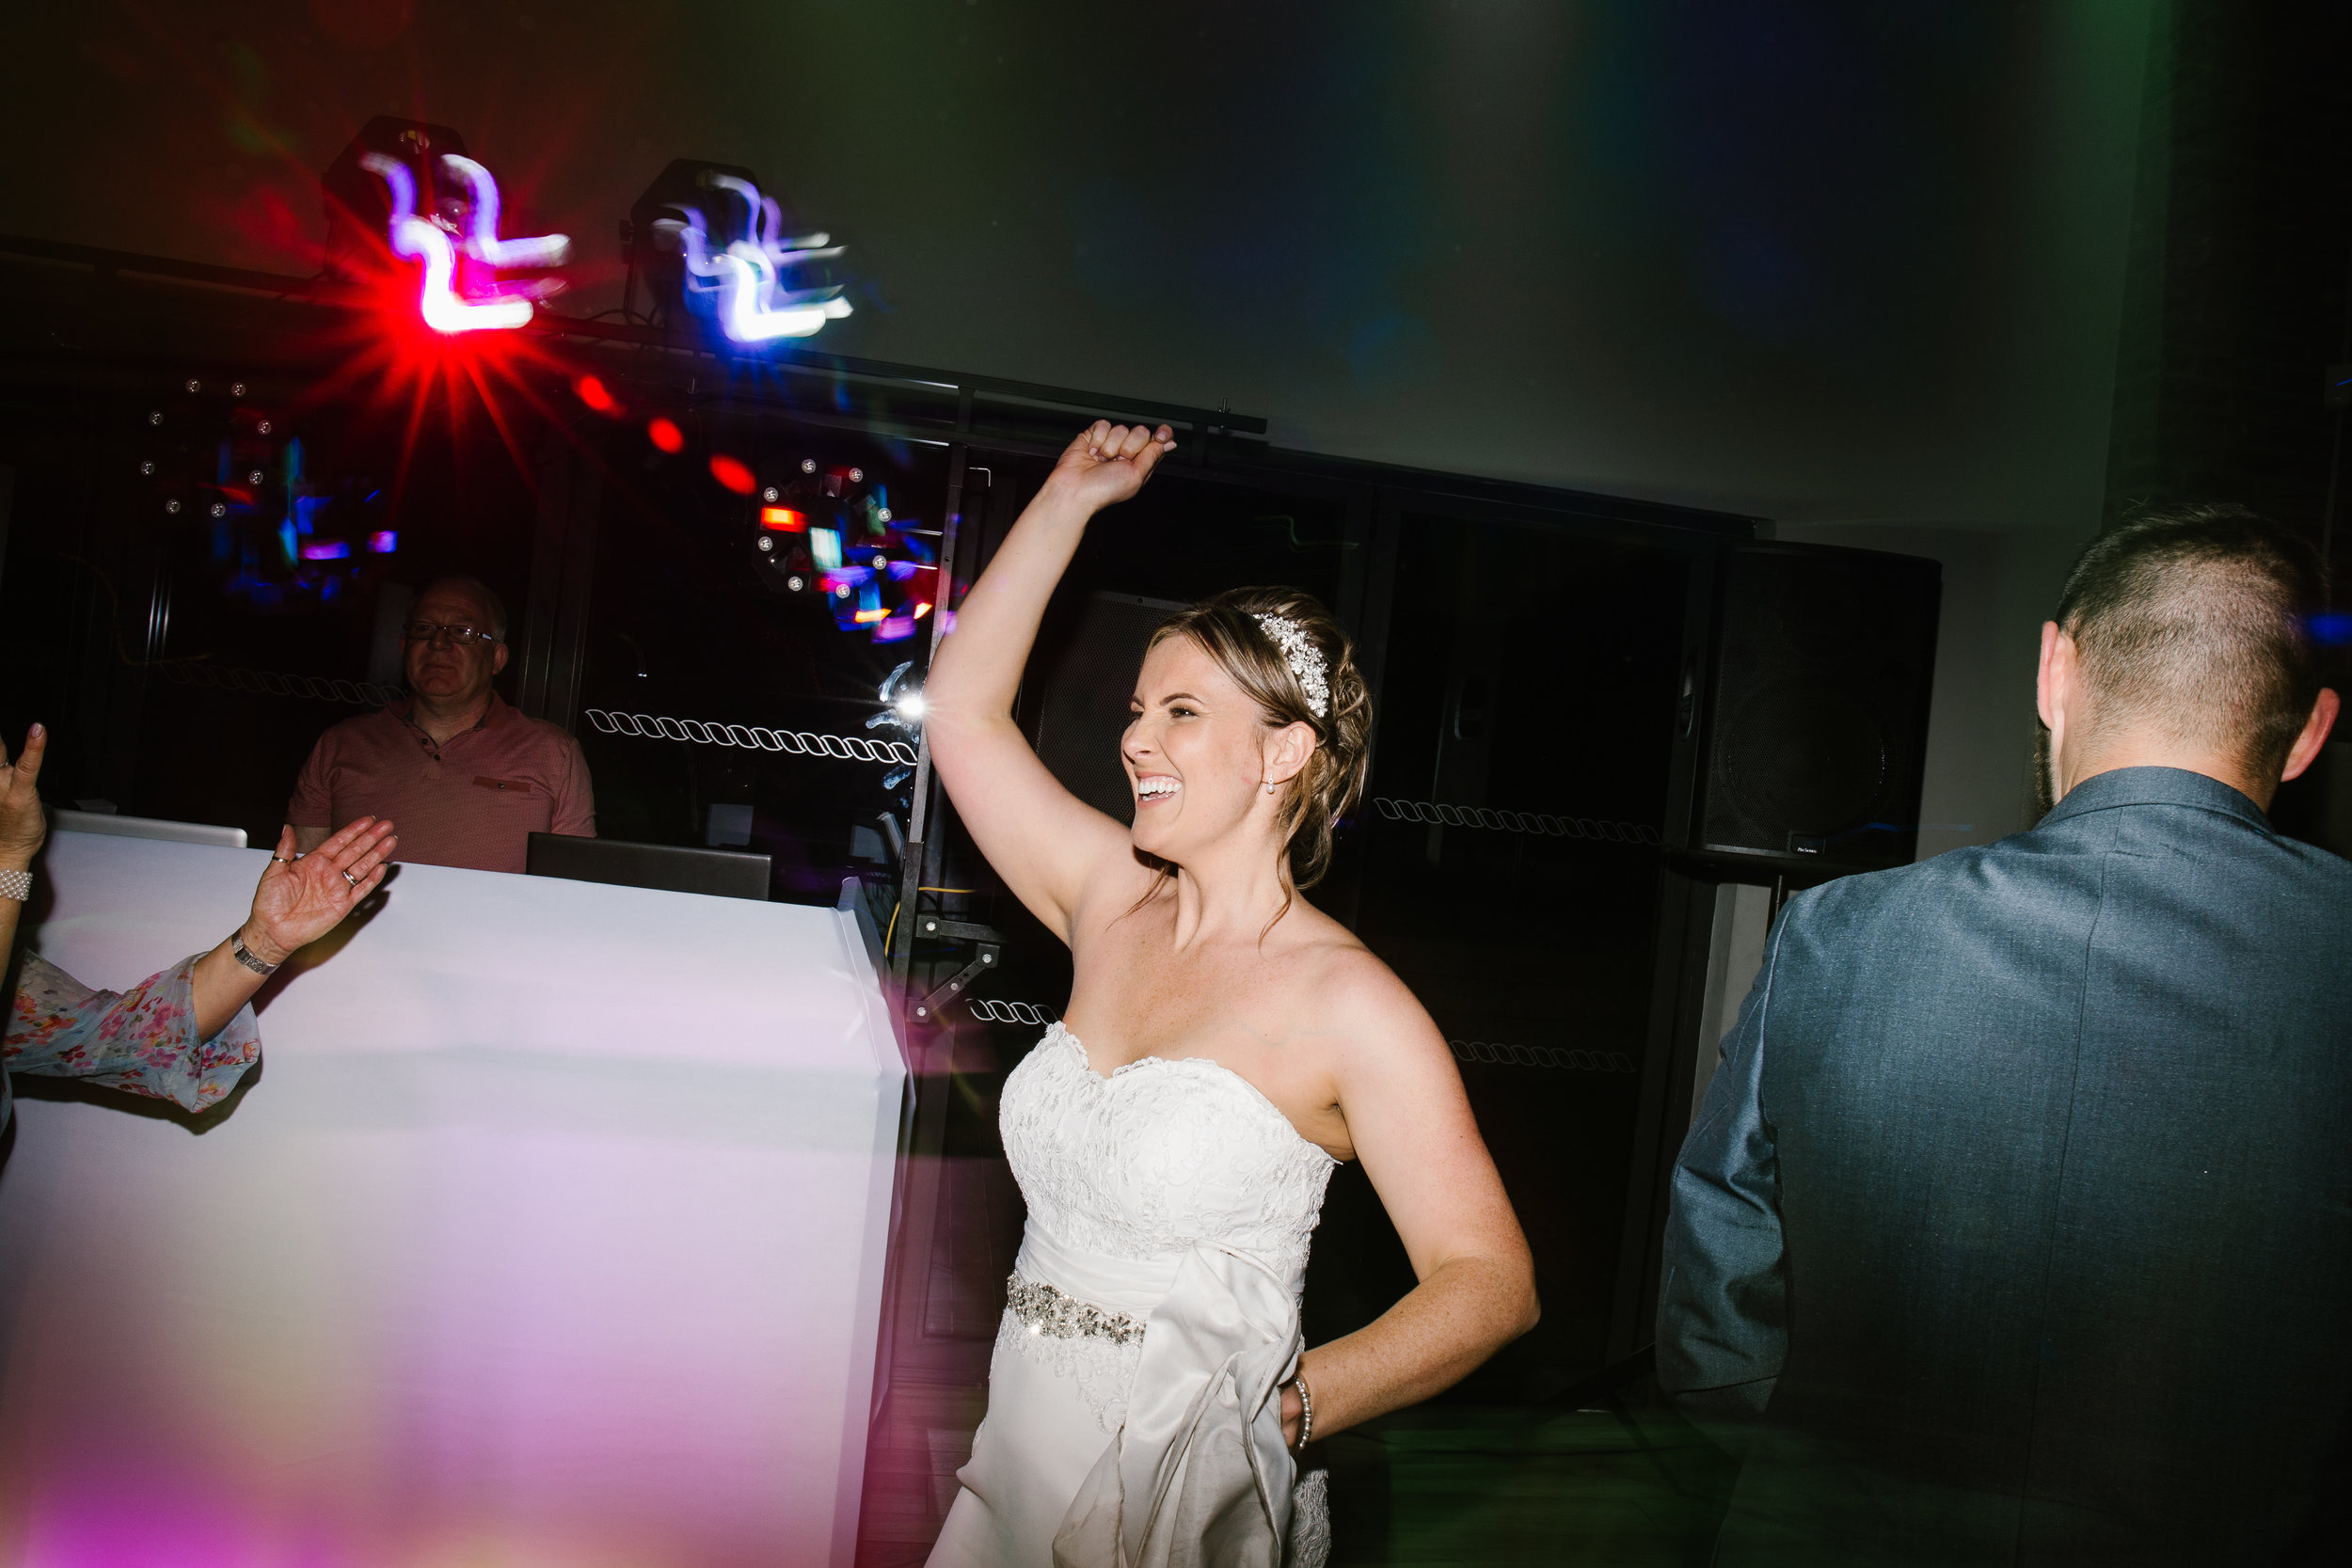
{"x": 515, "y": 803}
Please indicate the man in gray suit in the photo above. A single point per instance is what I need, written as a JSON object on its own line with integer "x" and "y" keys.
{"x": 2017, "y": 1220}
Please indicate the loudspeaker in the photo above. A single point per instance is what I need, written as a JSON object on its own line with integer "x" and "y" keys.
{"x": 1075, "y": 695}
{"x": 1818, "y": 730}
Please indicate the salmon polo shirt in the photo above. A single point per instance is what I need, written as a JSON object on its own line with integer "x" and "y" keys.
{"x": 472, "y": 801}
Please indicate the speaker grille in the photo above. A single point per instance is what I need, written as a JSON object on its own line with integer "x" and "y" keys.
{"x": 1082, "y": 678}
{"x": 1821, "y": 690}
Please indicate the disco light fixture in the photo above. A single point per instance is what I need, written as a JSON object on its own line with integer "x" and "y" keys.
{"x": 445, "y": 305}
{"x": 482, "y": 225}
{"x": 741, "y": 284}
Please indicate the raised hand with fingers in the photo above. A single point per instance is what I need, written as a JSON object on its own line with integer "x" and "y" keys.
{"x": 1108, "y": 463}
{"x": 301, "y": 898}
{"x": 22, "y": 827}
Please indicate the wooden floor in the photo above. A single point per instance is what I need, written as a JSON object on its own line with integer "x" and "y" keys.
{"x": 1453, "y": 1484}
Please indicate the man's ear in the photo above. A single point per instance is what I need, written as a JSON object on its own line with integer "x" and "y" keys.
{"x": 2314, "y": 736}
{"x": 2043, "y": 695}
{"x": 497, "y": 659}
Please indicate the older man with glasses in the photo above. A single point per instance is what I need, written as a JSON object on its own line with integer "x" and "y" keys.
{"x": 466, "y": 777}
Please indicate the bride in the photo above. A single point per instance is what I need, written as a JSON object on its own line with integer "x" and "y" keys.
{"x": 1228, "y": 1045}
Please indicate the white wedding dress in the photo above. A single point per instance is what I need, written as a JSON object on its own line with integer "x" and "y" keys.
{"x": 1133, "y": 1417}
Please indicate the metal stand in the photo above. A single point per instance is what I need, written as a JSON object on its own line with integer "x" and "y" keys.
{"x": 991, "y": 944}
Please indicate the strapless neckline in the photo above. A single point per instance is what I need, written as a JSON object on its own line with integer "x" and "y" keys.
{"x": 1257, "y": 1095}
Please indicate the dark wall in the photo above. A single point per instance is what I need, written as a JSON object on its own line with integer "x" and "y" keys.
{"x": 2241, "y": 242}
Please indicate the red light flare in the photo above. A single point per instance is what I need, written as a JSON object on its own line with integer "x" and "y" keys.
{"x": 592, "y": 392}
{"x": 391, "y": 360}
{"x": 387, "y": 359}
{"x": 731, "y": 474}
{"x": 783, "y": 520}
{"x": 665, "y": 435}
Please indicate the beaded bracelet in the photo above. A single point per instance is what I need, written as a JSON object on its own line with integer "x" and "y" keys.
{"x": 16, "y": 885}
{"x": 1306, "y": 1411}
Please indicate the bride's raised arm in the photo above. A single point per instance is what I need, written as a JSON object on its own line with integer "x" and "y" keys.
{"x": 1042, "y": 840}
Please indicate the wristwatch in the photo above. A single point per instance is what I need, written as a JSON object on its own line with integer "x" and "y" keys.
{"x": 244, "y": 955}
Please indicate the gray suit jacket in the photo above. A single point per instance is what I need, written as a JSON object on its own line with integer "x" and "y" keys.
{"x": 2021, "y": 1206}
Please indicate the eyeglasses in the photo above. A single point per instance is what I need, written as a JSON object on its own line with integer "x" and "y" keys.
{"x": 432, "y": 631}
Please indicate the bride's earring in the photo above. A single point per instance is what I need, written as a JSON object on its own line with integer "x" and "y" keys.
{"x": 1269, "y": 787}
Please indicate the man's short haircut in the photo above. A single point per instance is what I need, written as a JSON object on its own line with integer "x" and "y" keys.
{"x": 2196, "y": 621}
{"x": 479, "y": 590}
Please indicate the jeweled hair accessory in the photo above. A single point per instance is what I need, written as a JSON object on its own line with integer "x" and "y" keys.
{"x": 1299, "y": 652}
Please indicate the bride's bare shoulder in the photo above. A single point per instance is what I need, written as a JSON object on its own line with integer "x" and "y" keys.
{"x": 1359, "y": 999}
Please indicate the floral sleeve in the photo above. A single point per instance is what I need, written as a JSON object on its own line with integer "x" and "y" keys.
{"x": 142, "y": 1040}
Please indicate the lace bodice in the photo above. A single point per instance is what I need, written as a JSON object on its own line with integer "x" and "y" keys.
{"x": 1160, "y": 1156}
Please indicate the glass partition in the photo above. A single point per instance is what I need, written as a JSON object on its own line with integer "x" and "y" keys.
{"x": 210, "y": 567}
{"x": 755, "y": 591}
{"x": 1506, "y": 865}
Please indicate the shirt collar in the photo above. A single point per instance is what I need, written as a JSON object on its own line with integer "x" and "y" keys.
{"x": 2155, "y": 786}
{"x": 405, "y": 710}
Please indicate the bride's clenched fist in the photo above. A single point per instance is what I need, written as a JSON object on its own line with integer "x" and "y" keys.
{"x": 1108, "y": 463}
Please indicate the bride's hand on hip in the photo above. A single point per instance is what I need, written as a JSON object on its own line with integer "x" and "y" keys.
{"x": 1108, "y": 463}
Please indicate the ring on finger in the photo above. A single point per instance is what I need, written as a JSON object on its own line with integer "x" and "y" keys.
{"x": 348, "y": 878}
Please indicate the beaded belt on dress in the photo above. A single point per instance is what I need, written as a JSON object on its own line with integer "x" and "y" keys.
{"x": 1050, "y": 1311}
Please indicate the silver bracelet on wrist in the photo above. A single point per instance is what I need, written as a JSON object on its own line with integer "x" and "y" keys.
{"x": 244, "y": 955}
{"x": 16, "y": 885}
{"x": 1305, "y": 1412}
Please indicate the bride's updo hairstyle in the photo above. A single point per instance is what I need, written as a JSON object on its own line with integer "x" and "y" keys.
{"x": 1227, "y": 629}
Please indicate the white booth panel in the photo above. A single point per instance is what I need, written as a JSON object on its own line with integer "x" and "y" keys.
{"x": 551, "y": 1232}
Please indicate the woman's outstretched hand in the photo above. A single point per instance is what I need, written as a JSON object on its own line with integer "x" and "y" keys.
{"x": 1108, "y": 463}
{"x": 300, "y": 900}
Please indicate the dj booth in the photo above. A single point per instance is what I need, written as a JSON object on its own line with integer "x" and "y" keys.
{"x": 551, "y": 1229}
